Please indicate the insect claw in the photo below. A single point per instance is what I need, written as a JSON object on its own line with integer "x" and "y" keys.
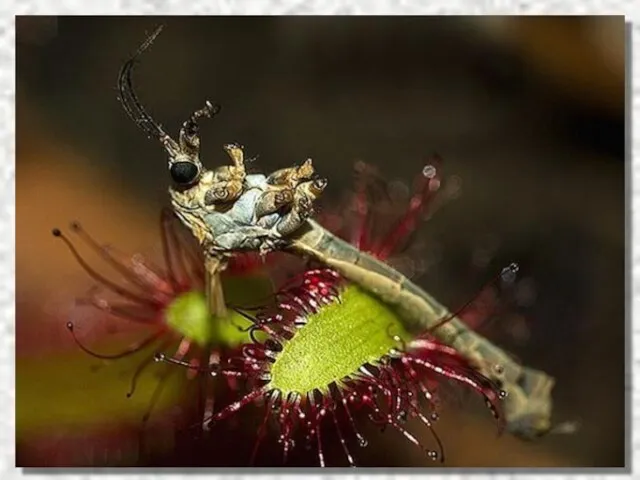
{"x": 235, "y": 151}
{"x": 293, "y": 176}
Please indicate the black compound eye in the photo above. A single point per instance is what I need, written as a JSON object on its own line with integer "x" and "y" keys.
{"x": 319, "y": 184}
{"x": 184, "y": 173}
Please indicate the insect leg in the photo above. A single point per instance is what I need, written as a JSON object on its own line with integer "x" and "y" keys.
{"x": 215, "y": 296}
{"x": 228, "y": 180}
{"x": 272, "y": 200}
{"x": 302, "y": 208}
{"x": 292, "y": 176}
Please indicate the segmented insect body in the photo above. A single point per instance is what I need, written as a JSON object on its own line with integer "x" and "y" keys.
{"x": 228, "y": 211}
{"x": 528, "y": 406}
{"x": 226, "y": 219}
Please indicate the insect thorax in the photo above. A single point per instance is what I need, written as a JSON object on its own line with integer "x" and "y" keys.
{"x": 227, "y": 227}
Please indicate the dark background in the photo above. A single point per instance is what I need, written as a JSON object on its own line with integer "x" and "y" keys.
{"x": 528, "y": 112}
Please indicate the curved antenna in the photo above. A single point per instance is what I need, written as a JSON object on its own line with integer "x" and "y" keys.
{"x": 131, "y": 103}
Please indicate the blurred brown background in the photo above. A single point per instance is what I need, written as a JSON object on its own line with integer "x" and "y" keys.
{"x": 529, "y": 112}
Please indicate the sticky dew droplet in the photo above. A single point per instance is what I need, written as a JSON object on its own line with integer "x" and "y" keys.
{"x": 429, "y": 171}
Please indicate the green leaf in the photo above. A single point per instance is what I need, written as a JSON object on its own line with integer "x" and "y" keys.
{"x": 72, "y": 389}
{"x": 336, "y": 342}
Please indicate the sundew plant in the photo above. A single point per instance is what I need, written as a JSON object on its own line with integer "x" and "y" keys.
{"x": 310, "y": 320}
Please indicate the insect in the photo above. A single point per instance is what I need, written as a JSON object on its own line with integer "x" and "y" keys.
{"x": 229, "y": 211}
